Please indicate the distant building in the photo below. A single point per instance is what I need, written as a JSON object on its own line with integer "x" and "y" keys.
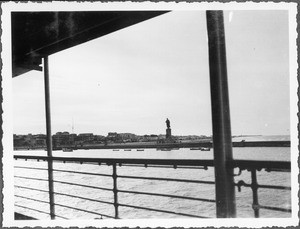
{"x": 85, "y": 138}
{"x": 19, "y": 140}
{"x": 98, "y": 139}
{"x": 40, "y": 140}
{"x": 29, "y": 140}
{"x": 112, "y": 134}
{"x": 72, "y": 137}
{"x": 113, "y": 137}
{"x": 63, "y": 139}
{"x": 149, "y": 138}
{"x": 127, "y": 137}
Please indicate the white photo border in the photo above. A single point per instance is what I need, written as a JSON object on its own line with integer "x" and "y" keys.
{"x": 7, "y": 140}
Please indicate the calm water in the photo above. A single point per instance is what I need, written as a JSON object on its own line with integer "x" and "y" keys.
{"x": 268, "y": 197}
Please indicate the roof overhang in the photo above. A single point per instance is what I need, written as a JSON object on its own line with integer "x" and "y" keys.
{"x": 39, "y": 34}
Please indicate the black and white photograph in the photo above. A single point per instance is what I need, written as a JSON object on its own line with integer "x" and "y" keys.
{"x": 149, "y": 114}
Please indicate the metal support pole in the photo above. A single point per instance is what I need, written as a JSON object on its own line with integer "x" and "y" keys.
{"x": 49, "y": 137}
{"x": 254, "y": 188}
{"x": 222, "y": 145}
{"x": 115, "y": 191}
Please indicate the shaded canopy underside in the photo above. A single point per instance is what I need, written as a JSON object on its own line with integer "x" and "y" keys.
{"x": 39, "y": 34}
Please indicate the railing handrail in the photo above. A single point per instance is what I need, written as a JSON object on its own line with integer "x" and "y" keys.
{"x": 251, "y": 165}
{"x": 121, "y": 161}
{"x": 260, "y": 164}
{"x": 242, "y": 164}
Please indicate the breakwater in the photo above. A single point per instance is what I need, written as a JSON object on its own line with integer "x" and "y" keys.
{"x": 262, "y": 144}
{"x": 154, "y": 145}
{"x": 185, "y": 145}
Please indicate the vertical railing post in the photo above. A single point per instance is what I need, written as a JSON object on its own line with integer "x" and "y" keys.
{"x": 222, "y": 145}
{"x": 254, "y": 187}
{"x": 49, "y": 137}
{"x": 115, "y": 191}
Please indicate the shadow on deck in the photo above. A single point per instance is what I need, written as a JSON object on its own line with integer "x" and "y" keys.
{"x": 19, "y": 216}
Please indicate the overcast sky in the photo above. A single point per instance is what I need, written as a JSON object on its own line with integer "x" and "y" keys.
{"x": 135, "y": 78}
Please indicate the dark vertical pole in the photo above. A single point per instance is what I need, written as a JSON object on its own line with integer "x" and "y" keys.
{"x": 115, "y": 191}
{"x": 225, "y": 190}
{"x": 254, "y": 193}
{"x": 49, "y": 136}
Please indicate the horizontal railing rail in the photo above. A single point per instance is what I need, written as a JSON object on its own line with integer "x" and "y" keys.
{"x": 67, "y": 195}
{"x": 250, "y": 165}
{"x": 167, "y": 195}
{"x": 65, "y": 171}
{"x": 163, "y": 211}
{"x": 120, "y": 161}
{"x": 168, "y": 179}
{"x": 242, "y": 164}
{"x": 36, "y": 210}
{"x": 241, "y": 183}
{"x": 259, "y": 164}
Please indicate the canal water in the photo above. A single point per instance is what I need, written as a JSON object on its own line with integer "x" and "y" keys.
{"x": 269, "y": 197}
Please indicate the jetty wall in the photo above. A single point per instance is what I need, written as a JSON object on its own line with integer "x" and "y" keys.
{"x": 154, "y": 145}
{"x": 187, "y": 145}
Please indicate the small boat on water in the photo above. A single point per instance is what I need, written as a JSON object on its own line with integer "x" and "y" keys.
{"x": 201, "y": 148}
{"x": 115, "y": 149}
{"x": 67, "y": 150}
{"x": 127, "y": 149}
{"x": 195, "y": 148}
{"x": 140, "y": 150}
{"x": 163, "y": 149}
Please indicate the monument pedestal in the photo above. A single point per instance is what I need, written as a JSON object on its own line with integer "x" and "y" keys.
{"x": 169, "y": 138}
{"x": 168, "y": 133}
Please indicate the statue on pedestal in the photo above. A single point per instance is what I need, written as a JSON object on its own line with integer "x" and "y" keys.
{"x": 169, "y": 138}
{"x": 168, "y": 130}
{"x": 168, "y": 123}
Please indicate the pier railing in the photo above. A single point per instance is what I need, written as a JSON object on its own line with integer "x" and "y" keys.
{"x": 240, "y": 165}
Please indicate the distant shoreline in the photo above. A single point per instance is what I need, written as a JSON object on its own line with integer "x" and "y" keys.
{"x": 154, "y": 145}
